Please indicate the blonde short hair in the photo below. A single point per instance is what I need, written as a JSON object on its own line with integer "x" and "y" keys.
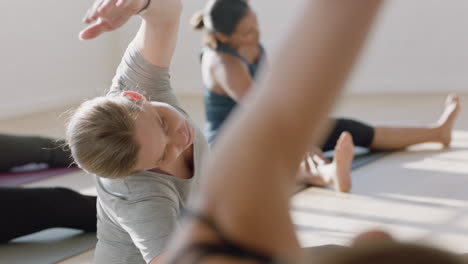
{"x": 101, "y": 136}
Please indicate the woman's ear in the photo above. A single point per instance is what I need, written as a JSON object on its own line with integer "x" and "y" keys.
{"x": 134, "y": 96}
{"x": 221, "y": 37}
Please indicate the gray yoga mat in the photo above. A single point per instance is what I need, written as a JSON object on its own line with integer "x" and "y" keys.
{"x": 366, "y": 158}
{"x": 47, "y": 246}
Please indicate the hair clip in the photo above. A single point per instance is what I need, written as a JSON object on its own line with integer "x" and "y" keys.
{"x": 133, "y": 95}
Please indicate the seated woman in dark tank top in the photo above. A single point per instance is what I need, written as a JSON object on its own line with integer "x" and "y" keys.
{"x": 230, "y": 63}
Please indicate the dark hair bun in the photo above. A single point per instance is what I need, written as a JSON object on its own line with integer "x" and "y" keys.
{"x": 197, "y": 21}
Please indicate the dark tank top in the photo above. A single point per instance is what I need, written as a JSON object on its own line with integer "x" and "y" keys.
{"x": 217, "y": 106}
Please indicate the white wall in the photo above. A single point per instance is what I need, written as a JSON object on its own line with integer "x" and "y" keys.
{"x": 418, "y": 46}
{"x": 42, "y": 62}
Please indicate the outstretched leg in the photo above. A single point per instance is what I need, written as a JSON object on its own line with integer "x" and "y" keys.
{"x": 19, "y": 150}
{"x": 391, "y": 138}
{"x": 28, "y": 210}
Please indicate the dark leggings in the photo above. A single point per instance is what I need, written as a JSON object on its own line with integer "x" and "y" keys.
{"x": 28, "y": 210}
{"x": 21, "y": 150}
{"x": 362, "y": 133}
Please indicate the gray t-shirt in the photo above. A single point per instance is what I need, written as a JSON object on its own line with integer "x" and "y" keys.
{"x": 137, "y": 214}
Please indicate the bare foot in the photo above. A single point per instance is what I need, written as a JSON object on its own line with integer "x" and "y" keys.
{"x": 447, "y": 119}
{"x": 318, "y": 171}
{"x": 344, "y": 154}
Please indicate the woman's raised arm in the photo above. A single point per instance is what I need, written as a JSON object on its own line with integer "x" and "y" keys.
{"x": 157, "y": 36}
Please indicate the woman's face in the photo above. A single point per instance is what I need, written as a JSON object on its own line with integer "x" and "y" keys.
{"x": 247, "y": 31}
{"x": 163, "y": 134}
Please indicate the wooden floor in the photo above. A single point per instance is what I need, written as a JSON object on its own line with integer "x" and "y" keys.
{"x": 416, "y": 195}
{"x": 419, "y": 194}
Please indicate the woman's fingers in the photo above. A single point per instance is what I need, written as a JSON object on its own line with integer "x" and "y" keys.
{"x": 106, "y": 5}
{"x": 94, "y": 30}
{"x": 86, "y": 18}
{"x": 122, "y": 3}
{"x": 93, "y": 14}
{"x": 107, "y": 16}
{"x": 308, "y": 163}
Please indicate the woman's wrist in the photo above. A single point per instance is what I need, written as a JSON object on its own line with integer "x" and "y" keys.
{"x": 156, "y": 11}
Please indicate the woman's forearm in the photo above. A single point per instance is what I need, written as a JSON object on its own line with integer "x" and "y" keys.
{"x": 157, "y": 37}
{"x": 162, "y": 11}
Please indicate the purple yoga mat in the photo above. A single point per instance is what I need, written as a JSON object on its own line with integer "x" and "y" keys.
{"x": 11, "y": 179}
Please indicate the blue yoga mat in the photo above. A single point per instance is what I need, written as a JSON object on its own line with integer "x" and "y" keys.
{"x": 47, "y": 246}
{"x": 362, "y": 156}
{"x": 364, "y": 159}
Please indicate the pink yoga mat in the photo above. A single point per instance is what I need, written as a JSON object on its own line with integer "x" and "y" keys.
{"x": 11, "y": 179}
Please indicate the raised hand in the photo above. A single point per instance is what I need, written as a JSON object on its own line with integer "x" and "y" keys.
{"x": 108, "y": 15}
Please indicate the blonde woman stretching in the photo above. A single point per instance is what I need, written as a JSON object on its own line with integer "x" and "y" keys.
{"x": 138, "y": 130}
